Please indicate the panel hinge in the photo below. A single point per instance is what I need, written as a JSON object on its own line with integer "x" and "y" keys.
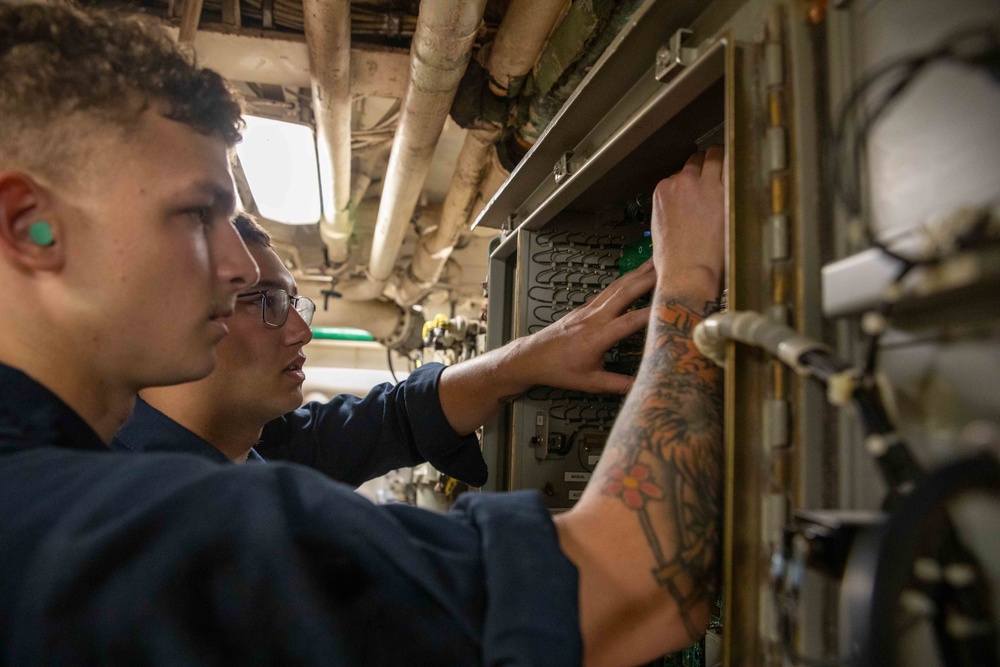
{"x": 775, "y": 423}
{"x": 778, "y": 243}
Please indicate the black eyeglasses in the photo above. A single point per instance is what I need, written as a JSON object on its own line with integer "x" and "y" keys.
{"x": 275, "y": 303}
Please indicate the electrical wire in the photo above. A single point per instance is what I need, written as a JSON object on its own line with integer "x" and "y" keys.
{"x": 392, "y": 371}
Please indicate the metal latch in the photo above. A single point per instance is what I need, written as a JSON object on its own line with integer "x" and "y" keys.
{"x": 563, "y": 167}
{"x": 540, "y": 441}
{"x": 507, "y": 226}
{"x": 674, "y": 55}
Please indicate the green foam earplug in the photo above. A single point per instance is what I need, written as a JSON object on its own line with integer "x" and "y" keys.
{"x": 41, "y": 233}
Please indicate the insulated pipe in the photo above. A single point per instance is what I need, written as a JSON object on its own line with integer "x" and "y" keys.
{"x": 370, "y": 162}
{"x": 434, "y": 248}
{"x": 519, "y": 40}
{"x": 442, "y": 44}
{"x": 328, "y": 38}
{"x": 341, "y": 334}
{"x": 190, "y": 18}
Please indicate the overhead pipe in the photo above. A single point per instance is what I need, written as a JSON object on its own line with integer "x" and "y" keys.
{"x": 442, "y": 43}
{"x": 550, "y": 99}
{"x": 519, "y": 41}
{"x": 341, "y": 334}
{"x": 328, "y": 39}
{"x": 190, "y": 18}
{"x": 434, "y": 249}
{"x": 370, "y": 162}
{"x": 517, "y": 45}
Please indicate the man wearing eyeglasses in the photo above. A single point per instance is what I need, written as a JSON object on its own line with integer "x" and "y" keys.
{"x": 250, "y": 403}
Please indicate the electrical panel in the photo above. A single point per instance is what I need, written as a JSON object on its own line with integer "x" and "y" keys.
{"x": 558, "y": 434}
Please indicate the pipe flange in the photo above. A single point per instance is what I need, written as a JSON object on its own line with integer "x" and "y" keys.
{"x": 406, "y": 335}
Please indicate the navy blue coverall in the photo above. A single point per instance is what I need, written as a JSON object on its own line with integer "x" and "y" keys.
{"x": 350, "y": 439}
{"x": 165, "y": 558}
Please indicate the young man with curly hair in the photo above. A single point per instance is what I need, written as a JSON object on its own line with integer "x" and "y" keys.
{"x": 118, "y": 258}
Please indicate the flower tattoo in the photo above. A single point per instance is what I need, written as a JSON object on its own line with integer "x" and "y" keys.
{"x": 634, "y": 487}
{"x": 669, "y": 467}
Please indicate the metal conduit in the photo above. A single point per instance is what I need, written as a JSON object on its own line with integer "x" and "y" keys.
{"x": 328, "y": 38}
{"x": 442, "y": 44}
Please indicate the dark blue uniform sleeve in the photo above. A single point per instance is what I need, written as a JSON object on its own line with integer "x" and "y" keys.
{"x": 171, "y": 559}
{"x": 355, "y": 439}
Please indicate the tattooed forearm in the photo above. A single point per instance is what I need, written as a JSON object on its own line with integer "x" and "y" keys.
{"x": 668, "y": 458}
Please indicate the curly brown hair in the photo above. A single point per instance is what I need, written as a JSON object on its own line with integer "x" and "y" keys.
{"x": 59, "y": 62}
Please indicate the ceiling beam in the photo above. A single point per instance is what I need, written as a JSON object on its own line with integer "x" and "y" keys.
{"x": 262, "y": 56}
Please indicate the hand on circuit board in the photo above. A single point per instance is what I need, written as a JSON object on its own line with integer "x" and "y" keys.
{"x": 569, "y": 353}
